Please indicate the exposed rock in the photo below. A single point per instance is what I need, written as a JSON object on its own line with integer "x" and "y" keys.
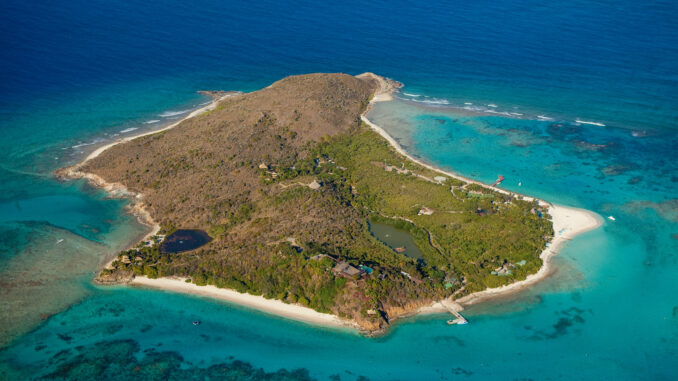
{"x": 425, "y": 211}
{"x": 115, "y": 277}
{"x": 315, "y": 185}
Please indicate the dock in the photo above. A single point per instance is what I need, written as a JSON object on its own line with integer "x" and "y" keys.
{"x": 454, "y": 309}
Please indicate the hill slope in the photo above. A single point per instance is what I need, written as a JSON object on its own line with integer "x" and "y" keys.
{"x": 285, "y": 180}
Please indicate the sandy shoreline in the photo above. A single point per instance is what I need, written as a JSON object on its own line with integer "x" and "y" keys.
{"x": 567, "y": 223}
{"x": 210, "y": 106}
{"x": 272, "y": 306}
{"x": 138, "y": 208}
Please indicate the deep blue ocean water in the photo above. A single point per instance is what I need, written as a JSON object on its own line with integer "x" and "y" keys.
{"x": 490, "y": 88}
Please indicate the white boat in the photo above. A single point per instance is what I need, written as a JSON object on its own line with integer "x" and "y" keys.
{"x": 457, "y": 321}
{"x": 611, "y": 218}
{"x": 60, "y": 240}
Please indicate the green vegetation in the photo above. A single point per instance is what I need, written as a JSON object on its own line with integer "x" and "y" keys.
{"x": 245, "y": 176}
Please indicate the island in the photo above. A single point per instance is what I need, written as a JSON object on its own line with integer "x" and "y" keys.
{"x": 288, "y": 199}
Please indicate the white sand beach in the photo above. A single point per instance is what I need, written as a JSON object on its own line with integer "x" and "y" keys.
{"x": 272, "y": 306}
{"x": 138, "y": 208}
{"x": 211, "y": 106}
{"x": 567, "y": 223}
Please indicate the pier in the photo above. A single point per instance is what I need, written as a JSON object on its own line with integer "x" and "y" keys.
{"x": 454, "y": 309}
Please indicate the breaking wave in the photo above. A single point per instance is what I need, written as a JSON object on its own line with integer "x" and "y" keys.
{"x": 168, "y": 114}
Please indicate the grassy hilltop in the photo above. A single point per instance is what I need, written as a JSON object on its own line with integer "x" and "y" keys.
{"x": 242, "y": 173}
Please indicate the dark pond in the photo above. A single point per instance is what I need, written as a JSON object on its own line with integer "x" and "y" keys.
{"x": 396, "y": 239}
{"x": 184, "y": 240}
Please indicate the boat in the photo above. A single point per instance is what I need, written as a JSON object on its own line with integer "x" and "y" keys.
{"x": 60, "y": 240}
{"x": 400, "y": 249}
{"x": 520, "y": 183}
{"x": 611, "y": 218}
{"x": 458, "y": 321}
{"x": 196, "y": 322}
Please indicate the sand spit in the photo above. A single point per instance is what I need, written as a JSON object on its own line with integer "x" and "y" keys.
{"x": 568, "y": 222}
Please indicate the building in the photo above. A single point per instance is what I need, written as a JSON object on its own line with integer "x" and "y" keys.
{"x": 346, "y": 270}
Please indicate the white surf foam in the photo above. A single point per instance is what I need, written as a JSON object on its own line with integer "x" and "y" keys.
{"x": 81, "y": 145}
{"x": 434, "y": 101}
{"x": 587, "y": 122}
{"x": 168, "y": 114}
{"x": 128, "y": 130}
{"x": 504, "y": 113}
{"x": 542, "y": 117}
{"x": 151, "y": 121}
{"x": 95, "y": 141}
{"x": 425, "y": 99}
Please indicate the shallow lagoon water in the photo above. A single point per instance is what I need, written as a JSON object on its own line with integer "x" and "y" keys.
{"x": 78, "y": 73}
{"x": 603, "y": 306}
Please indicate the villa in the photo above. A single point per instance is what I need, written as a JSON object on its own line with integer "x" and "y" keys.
{"x": 346, "y": 270}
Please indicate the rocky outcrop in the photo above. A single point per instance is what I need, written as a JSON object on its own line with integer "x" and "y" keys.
{"x": 107, "y": 277}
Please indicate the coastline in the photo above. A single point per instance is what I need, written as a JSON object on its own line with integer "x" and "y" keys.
{"x": 567, "y": 223}
{"x": 257, "y": 302}
{"x": 137, "y": 208}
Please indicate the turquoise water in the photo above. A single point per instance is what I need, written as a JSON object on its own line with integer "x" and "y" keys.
{"x": 76, "y": 74}
{"x": 605, "y": 309}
